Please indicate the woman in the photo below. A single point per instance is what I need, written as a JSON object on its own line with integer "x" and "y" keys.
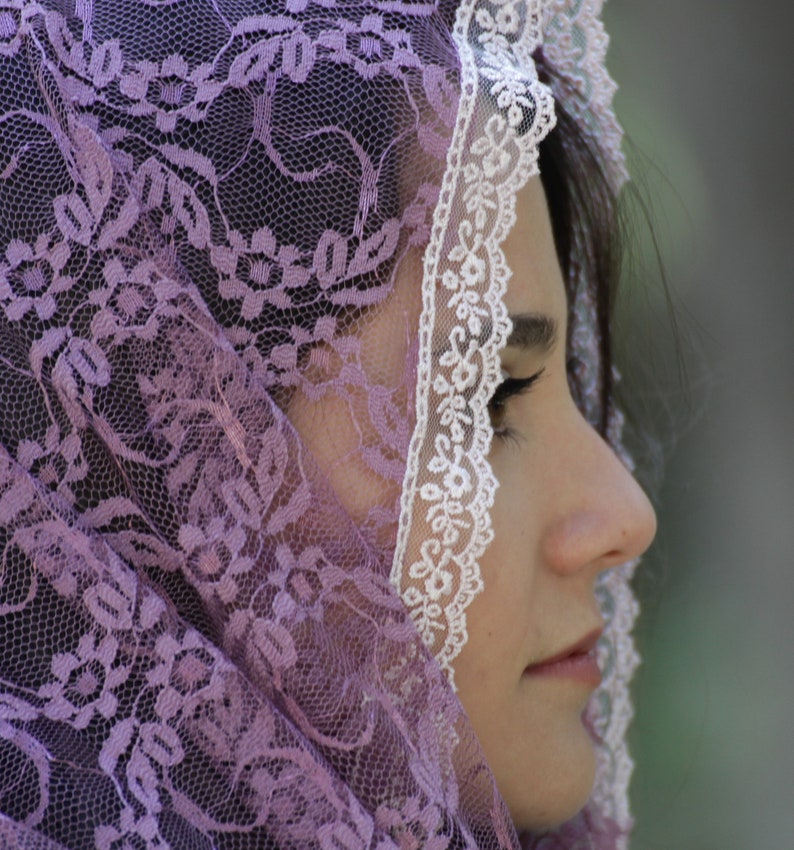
{"x": 283, "y": 304}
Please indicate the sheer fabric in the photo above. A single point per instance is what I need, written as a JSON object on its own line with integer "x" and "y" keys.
{"x": 229, "y": 228}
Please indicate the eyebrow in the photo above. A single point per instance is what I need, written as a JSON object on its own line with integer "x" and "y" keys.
{"x": 533, "y": 331}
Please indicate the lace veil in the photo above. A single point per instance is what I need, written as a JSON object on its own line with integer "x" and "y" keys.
{"x": 231, "y": 228}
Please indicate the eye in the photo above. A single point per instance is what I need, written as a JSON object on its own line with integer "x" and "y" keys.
{"x": 497, "y": 406}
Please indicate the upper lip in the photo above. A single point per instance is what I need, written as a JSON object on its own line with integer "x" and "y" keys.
{"x": 583, "y": 646}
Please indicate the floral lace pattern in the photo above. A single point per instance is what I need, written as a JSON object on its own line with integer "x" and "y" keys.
{"x": 450, "y": 480}
{"x": 202, "y": 223}
{"x": 576, "y": 43}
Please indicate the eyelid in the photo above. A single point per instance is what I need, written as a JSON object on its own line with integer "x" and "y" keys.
{"x": 509, "y": 388}
{"x": 514, "y": 386}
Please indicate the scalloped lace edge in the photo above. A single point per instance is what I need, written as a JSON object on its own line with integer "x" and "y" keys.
{"x": 507, "y": 72}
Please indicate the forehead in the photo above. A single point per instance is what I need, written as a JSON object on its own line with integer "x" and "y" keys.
{"x": 536, "y": 283}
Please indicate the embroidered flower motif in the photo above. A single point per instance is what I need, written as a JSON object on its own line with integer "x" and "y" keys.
{"x": 386, "y": 454}
{"x": 466, "y": 282}
{"x": 216, "y": 556}
{"x": 491, "y": 34}
{"x": 131, "y": 301}
{"x": 185, "y": 668}
{"x": 509, "y": 87}
{"x": 111, "y": 601}
{"x": 170, "y": 90}
{"x": 454, "y": 392}
{"x": 431, "y": 580}
{"x": 85, "y": 681}
{"x": 450, "y": 462}
{"x": 369, "y": 46}
{"x": 106, "y": 63}
{"x": 300, "y": 581}
{"x": 457, "y": 484}
{"x": 442, "y": 94}
{"x": 297, "y": 56}
{"x": 438, "y": 585}
{"x": 258, "y": 272}
{"x": 494, "y": 148}
{"x": 32, "y": 277}
{"x": 512, "y": 81}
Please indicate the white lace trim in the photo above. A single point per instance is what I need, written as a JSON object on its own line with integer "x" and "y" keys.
{"x": 575, "y": 42}
{"x": 615, "y": 764}
{"x": 486, "y": 166}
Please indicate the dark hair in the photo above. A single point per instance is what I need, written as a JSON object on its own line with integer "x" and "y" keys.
{"x": 585, "y": 222}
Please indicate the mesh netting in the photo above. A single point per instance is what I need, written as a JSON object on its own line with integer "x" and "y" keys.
{"x": 223, "y": 229}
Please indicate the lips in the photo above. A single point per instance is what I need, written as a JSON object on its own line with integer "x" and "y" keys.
{"x": 578, "y": 662}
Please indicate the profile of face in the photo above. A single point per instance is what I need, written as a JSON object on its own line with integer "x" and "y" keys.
{"x": 566, "y": 509}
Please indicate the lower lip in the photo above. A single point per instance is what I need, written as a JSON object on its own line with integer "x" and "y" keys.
{"x": 580, "y": 667}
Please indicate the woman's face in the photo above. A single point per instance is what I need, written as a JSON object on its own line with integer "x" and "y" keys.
{"x": 565, "y": 510}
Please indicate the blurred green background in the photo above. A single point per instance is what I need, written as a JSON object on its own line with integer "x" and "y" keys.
{"x": 706, "y": 98}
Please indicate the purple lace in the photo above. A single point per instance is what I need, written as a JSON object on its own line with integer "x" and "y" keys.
{"x": 203, "y": 204}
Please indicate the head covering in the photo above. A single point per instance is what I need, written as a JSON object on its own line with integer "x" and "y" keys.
{"x": 222, "y": 219}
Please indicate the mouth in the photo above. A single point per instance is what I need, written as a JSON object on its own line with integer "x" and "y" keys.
{"x": 578, "y": 663}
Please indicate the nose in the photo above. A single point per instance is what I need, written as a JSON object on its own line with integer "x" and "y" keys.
{"x": 601, "y": 517}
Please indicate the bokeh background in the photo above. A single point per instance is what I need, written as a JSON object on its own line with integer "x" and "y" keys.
{"x": 706, "y": 97}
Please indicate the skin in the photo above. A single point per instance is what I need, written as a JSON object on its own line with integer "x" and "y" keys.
{"x": 566, "y": 509}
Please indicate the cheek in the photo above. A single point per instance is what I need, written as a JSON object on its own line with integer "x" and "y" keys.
{"x": 531, "y": 734}
{"x": 347, "y": 448}
{"x": 502, "y": 633}
{"x": 510, "y": 564}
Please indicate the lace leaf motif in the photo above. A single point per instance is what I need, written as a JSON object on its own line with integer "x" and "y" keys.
{"x": 450, "y": 487}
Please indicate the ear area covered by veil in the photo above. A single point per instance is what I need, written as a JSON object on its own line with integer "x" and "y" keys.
{"x": 250, "y": 314}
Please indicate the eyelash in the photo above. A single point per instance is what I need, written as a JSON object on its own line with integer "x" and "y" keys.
{"x": 508, "y": 389}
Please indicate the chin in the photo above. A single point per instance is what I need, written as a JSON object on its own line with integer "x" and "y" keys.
{"x": 557, "y": 789}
